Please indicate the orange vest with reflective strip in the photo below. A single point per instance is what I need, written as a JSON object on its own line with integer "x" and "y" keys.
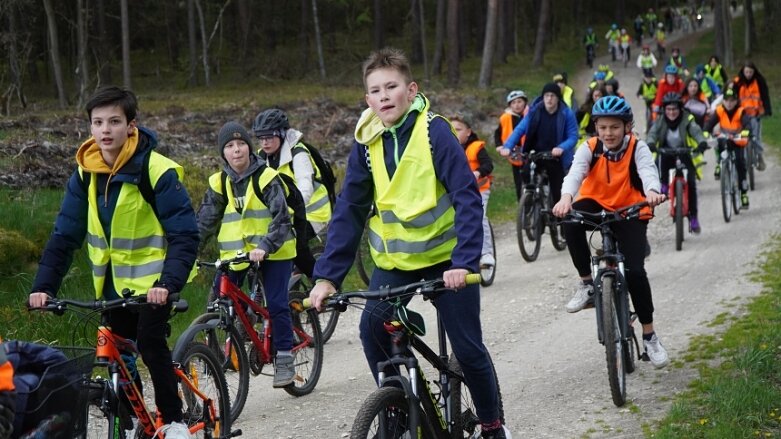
{"x": 483, "y": 183}
{"x": 506, "y": 122}
{"x": 732, "y": 126}
{"x": 608, "y": 182}
{"x": 750, "y": 99}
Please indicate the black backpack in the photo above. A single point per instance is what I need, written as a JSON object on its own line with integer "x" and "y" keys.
{"x": 327, "y": 176}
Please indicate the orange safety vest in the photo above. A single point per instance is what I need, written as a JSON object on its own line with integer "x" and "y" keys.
{"x": 6, "y": 371}
{"x": 483, "y": 183}
{"x": 506, "y": 123}
{"x": 750, "y": 99}
{"x": 732, "y": 126}
{"x": 609, "y": 183}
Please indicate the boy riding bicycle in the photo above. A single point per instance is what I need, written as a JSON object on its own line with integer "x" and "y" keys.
{"x": 612, "y": 171}
{"x": 140, "y": 238}
{"x": 407, "y": 162}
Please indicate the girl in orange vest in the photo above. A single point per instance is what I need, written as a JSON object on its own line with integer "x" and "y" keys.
{"x": 481, "y": 165}
{"x": 516, "y": 109}
{"x": 612, "y": 171}
{"x": 751, "y": 87}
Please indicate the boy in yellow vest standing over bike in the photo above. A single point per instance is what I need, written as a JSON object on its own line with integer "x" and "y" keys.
{"x": 407, "y": 162}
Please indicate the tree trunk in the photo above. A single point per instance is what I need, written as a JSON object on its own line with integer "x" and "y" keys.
{"x": 486, "y": 68}
{"x": 303, "y": 36}
{"x": 416, "y": 53}
{"x": 422, "y": 16}
{"x": 204, "y": 44}
{"x": 751, "y": 29}
{"x": 54, "y": 53}
{"x": 506, "y": 29}
{"x": 479, "y": 17}
{"x": 14, "y": 63}
{"x": 125, "y": 44}
{"x": 723, "y": 32}
{"x": 318, "y": 42}
{"x": 82, "y": 73}
{"x": 244, "y": 13}
{"x": 378, "y": 30}
{"x": 103, "y": 51}
{"x": 453, "y": 68}
{"x": 542, "y": 31}
{"x": 439, "y": 38}
{"x": 192, "y": 40}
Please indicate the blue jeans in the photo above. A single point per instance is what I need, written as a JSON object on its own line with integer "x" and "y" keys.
{"x": 460, "y": 313}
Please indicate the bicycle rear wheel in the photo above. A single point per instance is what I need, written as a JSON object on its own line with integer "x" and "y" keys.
{"x": 750, "y": 162}
{"x": 465, "y": 421}
{"x": 529, "y": 227}
{"x": 614, "y": 354}
{"x": 726, "y": 190}
{"x": 307, "y": 348}
{"x": 488, "y": 272}
{"x": 204, "y": 371}
{"x": 385, "y": 413}
{"x": 678, "y": 214}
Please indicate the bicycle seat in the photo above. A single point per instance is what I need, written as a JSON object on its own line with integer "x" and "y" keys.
{"x": 411, "y": 320}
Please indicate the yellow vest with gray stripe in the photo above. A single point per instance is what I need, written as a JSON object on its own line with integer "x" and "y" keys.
{"x": 318, "y": 209}
{"x": 242, "y": 232}
{"x": 137, "y": 247}
{"x": 415, "y": 222}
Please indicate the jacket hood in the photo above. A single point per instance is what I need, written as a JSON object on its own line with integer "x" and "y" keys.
{"x": 89, "y": 156}
{"x": 370, "y": 127}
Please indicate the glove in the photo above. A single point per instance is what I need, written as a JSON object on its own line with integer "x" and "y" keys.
{"x": 702, "y": 147}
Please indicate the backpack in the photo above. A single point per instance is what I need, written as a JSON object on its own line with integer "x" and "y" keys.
{"x": 294, "y": 200}
{"x": 327, "y": 177}
{"x": 634, "y": 176}
{"x": 144, "y": 185}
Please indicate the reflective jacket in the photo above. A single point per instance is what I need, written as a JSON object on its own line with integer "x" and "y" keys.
{"x": 688, "y": 131}
{"x": 318, "y": 209}
{"x": 732, "y": 126}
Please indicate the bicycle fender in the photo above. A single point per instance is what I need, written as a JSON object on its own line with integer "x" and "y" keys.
{"x": 398, "y": 381}
{"x": 184, "y": 340}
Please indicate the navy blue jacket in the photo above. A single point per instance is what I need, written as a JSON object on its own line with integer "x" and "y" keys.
{"x": 174, "y": 211}
{"x": 357, "y": 196}
{"x": 567, "y": 130}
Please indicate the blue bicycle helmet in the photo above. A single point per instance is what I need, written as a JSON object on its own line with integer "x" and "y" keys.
{"x": 599, "y": 76}
{"x": 671, "y": 70}
{"x": 612, "y": 106}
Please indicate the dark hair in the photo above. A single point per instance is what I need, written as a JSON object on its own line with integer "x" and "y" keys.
{"x": 111, "y": 95}
{"x": 387, "y": 58}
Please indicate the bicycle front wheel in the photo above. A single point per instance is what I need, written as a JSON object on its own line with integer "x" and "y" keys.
{"x": 205, "y": 399}
{"x": 465, "y": 422}
{"x": 385, "y": 413}
{"x": 726, "y": 190}
{"x": 364, "y": 264}
{"x": 488, "y": 272}
{"x": 616, "y": 372}
{"x": 102, "y": 419}
{"x": 529, "y": 227}
{"x": 307, "y": 348}
{"x": 678, "y": 197}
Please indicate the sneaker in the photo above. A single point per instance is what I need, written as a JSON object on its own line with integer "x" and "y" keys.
{"x": 694, "y": 225}
{"x": 174, "y": 430}
{"x": 500, "y": 433}
{"x": 656, "y": 352}
{"x": 487, "y": 260}
{"x": 131, "y": 433}
{"x": 744, "y": 200}
{"x": 584, "y": 294}
{"x": 284, "y": 370}
{"x": 760, "y": 163}
{"x": 717, "y": 172}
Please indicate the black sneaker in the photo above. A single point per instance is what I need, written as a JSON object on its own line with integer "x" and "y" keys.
{"x": 499, "y": 433}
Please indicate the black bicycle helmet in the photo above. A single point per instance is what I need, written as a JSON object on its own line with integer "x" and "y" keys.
{"x": 671, "y": 98}
{"x": 271, "y": 122}
{"x": 612, "y": 106}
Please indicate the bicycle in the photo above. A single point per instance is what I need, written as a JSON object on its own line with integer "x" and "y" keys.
{"x": 201, "y": 382}
{"x": 678, "y": 190}
{"x": 590, "y": 55}
{"x": 730, "y": 186}
{"x": 625, "y": 53}
{"x": 408, "y": 405}
{"x": 532, "y": 219}
{"x": 227, "y": 326}
{"x": 615, "y": 328}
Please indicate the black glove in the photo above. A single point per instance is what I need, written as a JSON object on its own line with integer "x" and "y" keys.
{"x": 702, "y": 147}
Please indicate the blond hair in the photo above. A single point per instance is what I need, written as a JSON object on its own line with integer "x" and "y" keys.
{"x": 387, "y": 58}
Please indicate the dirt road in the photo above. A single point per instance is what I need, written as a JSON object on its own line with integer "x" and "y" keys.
{"x": 551, "y": 367}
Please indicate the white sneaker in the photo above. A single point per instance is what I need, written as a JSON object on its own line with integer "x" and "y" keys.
{"x": 487, "y": 260}
{"x": 131, "y": 434}
{"x": 584, "y": 293}
{"x": 656, "y": 352}
{"x": 174, "y": 430}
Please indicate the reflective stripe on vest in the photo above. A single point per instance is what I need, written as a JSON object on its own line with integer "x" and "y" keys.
{"x": 137, "y": 248}
{"x": 415, "y": 224}
{"x": 244, "y": 231}
{"x": 318, "y": 209}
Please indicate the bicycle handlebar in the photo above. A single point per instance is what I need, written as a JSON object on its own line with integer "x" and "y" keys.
{"x": 341, "y": 300}
{"x": 241, "y": 258}
{"x": 673, "y": 151}
{"x": 604, "y": 217}
{"x": 58, "y": 306}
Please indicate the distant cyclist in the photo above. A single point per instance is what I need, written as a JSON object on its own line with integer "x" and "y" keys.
{"x": 751, "y": 88}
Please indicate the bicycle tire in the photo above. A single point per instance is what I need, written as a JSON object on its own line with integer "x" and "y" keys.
{"x": 328, "y": 317}
{"x": 529, "y": 225}
{"x": 204, "y": 369}
{"x": 736, "y": 205}
{"x": 630, "y": 348}
{"x": 614, "y": 356}
{"x": 726, "y": 191}
{"x": 750, "y": 163}
{"x": 465, "y": 421}
{"x": 224, "y": 340}
{"x": 678, "y": 214}
{"x": 102, "y": 418}
{"x": 488, "y": 272}
{"x": 309, "y": 359}
{"x": 387, "y": 408}
{"x": 364, "y": 264}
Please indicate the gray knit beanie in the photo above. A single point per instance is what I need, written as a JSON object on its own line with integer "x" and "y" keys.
{"x": 230, "y": 131}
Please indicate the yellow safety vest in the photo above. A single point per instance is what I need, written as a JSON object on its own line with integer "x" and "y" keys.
{"x": 138, "y": 244}
{"x": 242, "y": 232}
{"x": 566, "y": 95}
{"x": 318, "y": 209}
{"x": 414, "y": 227}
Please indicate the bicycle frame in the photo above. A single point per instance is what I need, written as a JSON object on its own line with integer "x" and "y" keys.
{"x": 609, "y": 262}
{"x": 676, "y": 173}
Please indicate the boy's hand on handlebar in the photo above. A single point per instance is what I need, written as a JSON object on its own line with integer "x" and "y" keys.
{"x": 455, "y": 278}
{"x": 556, "y": 152}
{"x": 257, "y": 255}
{"x": 562, "y": 208}
{"x": 37, "y": 300}
{"x": 654, "y": 198}
{"x": 320, "y": 292}
{"x": 157, "y": 295}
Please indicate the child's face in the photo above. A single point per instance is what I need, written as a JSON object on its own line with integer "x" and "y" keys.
{"x": 611, "y": 131}
{"x": 389, "y": 95}
{"x": 692, "y": 88}
{"x": 517, "y": 105}
{"x": 236, "y": 153}
{"x": 270, "y": 144}
{"x": 110, "y": 128}
{"x": 748, "y": 72}
{"x": 462, "y": 131}
{"x": 730, "y": 103}
{"x": 670, "y": 78}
